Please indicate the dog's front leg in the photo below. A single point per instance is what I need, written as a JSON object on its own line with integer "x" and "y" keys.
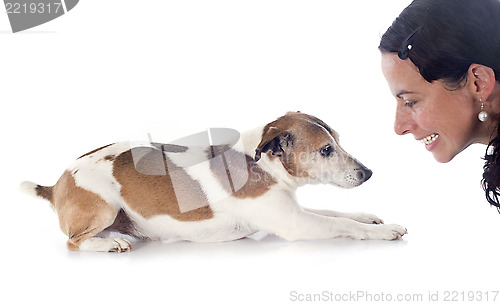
{"x": 292, "y": 223}
{"x": 359, "y": 217}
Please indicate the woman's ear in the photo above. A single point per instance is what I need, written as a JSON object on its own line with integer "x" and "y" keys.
{"x": 481, "y": 81}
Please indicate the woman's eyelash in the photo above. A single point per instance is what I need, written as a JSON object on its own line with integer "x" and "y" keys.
{"x": 410, "y": 103}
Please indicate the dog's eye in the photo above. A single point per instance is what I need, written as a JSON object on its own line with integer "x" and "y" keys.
{"x": 326, "y": 151}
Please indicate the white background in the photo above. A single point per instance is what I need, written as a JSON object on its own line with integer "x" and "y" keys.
{"x": 115, "y": 70}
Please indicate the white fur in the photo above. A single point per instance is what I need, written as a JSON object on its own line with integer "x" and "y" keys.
{"x": 94, "y": 174}
{"x": 105, "y": 245}
{"x": 200, "y": 172}
{"x": 28, "y": 188}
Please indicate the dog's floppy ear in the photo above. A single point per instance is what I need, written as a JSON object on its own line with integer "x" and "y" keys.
{"x": 275, "y": 140}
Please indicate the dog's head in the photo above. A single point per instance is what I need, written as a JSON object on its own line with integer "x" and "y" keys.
{"x": 309, "y": 150}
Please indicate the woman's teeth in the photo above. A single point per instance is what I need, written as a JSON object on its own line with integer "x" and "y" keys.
{"x": 429, "y": 139}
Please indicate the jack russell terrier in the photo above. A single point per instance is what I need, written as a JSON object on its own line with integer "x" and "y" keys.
{"x": 212, "y": 193}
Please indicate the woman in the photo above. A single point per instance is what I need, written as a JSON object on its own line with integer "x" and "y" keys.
{"x": 441, "y": 60}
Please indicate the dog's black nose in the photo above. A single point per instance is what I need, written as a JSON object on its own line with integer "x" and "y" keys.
{"x": 363, "y": 174}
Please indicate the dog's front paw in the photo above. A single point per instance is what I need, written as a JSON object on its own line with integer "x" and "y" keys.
{"x": 366, "y": 218}
{"x": 386, "y": 232}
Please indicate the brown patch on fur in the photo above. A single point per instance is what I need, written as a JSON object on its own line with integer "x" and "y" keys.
{"x": 124, "y": 225}
{"x": 238, "y": 173}
{"x": 109, "y": 157}
{"x": 95, "y": 150}
{"x": 44, "y": 191}
{"x": 82, "y": 214}
{"x": 148, "y": 190}
{"x": 291, "y": 137}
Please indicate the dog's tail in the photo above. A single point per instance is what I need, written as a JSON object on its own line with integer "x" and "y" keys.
{"x": 36, "y": 190}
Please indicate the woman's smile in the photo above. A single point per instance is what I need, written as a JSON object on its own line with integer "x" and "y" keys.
{"x": 430, "y": 141}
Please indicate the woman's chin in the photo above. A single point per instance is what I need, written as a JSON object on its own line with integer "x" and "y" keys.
{"x": 444, "y": 156}
{"x": 442, "y": 160}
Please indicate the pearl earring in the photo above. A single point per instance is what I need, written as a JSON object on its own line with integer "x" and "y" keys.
{"x": 483, "y": 115}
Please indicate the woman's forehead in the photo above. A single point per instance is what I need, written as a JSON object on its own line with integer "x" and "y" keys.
{"x": 402, "y": 75}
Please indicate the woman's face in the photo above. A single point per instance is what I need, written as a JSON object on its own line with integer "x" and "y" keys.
{"x": 443, "y": 119}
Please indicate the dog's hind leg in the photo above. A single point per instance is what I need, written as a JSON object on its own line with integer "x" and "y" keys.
{"x": 83, "y": 215}
{"x": 82, "y": 223}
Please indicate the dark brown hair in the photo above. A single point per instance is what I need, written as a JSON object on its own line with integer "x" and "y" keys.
{"x": 491, "y": 174}
{"x": 443, "y": 38}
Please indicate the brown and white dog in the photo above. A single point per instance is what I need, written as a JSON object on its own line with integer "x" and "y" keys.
{"x": 154, "y": 191}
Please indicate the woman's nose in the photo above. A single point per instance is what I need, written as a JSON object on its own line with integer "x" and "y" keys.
{"x": 403, "y": 123}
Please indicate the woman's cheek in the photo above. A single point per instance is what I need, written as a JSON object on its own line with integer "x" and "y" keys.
{"x": 425, "y": 120}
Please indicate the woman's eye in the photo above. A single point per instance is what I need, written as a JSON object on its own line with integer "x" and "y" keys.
{"x": 410, "y": 103}
{"x": 326, "y": 151}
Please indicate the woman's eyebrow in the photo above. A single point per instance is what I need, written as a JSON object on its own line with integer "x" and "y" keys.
{"x": 401, "y": 93}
